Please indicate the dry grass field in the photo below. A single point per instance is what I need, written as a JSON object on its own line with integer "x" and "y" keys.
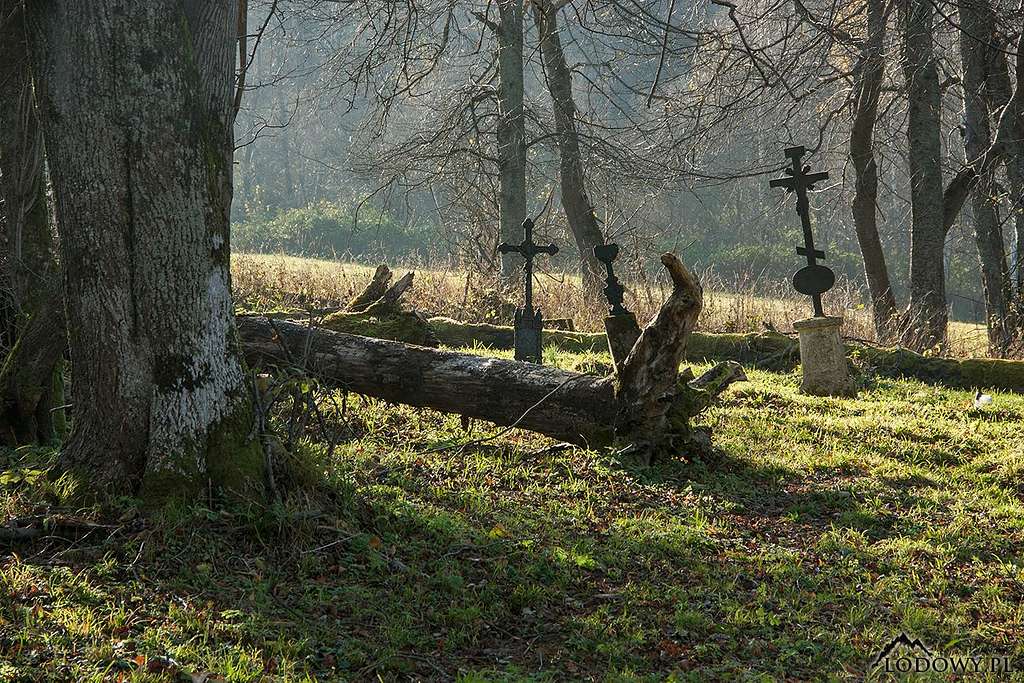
{"x": 264, "y": 282}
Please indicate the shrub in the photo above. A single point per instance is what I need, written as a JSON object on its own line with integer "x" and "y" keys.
{"x": 326, "y": 230}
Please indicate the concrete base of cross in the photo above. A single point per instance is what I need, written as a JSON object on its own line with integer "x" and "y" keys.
{"x": 622, "y": 331}
{"x": 529, "y": 331}
{"x": 823, "y": 359}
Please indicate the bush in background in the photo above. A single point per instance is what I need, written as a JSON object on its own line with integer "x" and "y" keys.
{"x": 328, "y": 230}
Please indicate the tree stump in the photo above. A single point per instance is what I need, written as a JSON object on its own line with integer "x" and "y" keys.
{"x": 378, "y": 312}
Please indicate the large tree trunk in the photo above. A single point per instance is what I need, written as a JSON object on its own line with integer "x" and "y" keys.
{"x": 977, "y": 32}
{"x": 136, "y": 104}
{"x": 579, "y": 212}
{"x": 868, "y": 78}
{"x": 647, "y": 407}
{"x": 1001, "y": 99}
{"x": 30, "y": 399}
{"x": 511, "y": 129}
{"x": 928, "y": 312}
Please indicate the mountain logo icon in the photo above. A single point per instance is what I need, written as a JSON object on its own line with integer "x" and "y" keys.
{"x": 902, "y": 640}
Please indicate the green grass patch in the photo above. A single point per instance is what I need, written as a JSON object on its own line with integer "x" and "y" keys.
{"x": 819, "y": 530}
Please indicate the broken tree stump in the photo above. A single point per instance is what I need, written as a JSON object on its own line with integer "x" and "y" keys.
{"x": 648, "y": 391}
{"x": 378, "y": 312}
{"x": 648, "y": 407}
{"x": 373, "y": 291}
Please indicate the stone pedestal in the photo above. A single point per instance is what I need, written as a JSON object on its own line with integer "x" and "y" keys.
{"x": 529, "y": 330}
{"x": 622, "y": 331}
{"x": 823, "y": 359}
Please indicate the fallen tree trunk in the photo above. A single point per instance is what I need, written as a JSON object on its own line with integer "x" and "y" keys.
{"x": 386, "y": 319}
{"x": 576, "y": 408}
{"x": 647, "y": 406}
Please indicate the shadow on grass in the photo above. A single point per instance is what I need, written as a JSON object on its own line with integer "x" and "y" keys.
{"x": 431, "y": 570}
{"x": 384, "y": 581}
{"x": 812, "y": 501}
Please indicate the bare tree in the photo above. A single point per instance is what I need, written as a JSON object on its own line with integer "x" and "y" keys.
{"x": 928, "y": 308}
{"x": 579, "y": 211}
{"x": 511, "y": 126}
{"x": 868, "y": 81}
{"x": 976, "y": 32}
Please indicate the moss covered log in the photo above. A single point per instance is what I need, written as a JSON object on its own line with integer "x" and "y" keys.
{"x": 969, "y": 373}
{"x": 383, "y": 321}
{"x": 458, "y": 334}
{"x": 765, "y": 351}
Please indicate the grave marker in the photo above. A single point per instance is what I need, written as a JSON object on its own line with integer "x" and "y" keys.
{"x": 529, "y": 323}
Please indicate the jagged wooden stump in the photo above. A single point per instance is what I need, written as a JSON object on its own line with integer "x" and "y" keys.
{"x": 378, "y": 312}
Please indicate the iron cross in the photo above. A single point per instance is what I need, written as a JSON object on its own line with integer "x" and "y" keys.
{"x": 813, "y": 279}
{"x": 529, "y": 323}
{"x": 528, "y": 249}
{"x": 614, "y": 291}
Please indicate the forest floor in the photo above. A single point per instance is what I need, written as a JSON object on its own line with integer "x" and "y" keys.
{"x": 818, "y": 531}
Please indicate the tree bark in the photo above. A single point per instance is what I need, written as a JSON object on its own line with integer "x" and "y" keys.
{"x": 580, "y": 408}
{"x": 1008, "y": 131}
{"x": 511, "y": 129}
{"x": 28, "y": 401}
{"x": 975, "y": 35}
{"x": 928, "y": 313}
{"x": 136, "y": 104}
{"x": 868, "y": 83}
{"x": 579, "y": 212}
{"x": 1001, "y": 99}
{"x": 648, "y": 374}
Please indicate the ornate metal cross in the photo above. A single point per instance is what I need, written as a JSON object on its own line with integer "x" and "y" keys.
{"x": 529, "y": 323}
{"x": 620, "y": 325}
{"x": 813, "y": 279}
{"x": 614, "y": 291}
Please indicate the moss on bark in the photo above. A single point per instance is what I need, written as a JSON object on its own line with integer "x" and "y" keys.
{"x": 229, "y": 463}
{"x": 234, "y": 454}
{"x": 393, "y": 324}
{"x": 458, "y": 334}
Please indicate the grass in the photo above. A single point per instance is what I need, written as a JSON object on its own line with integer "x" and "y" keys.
{"x": 818, "y": 530}
{"x": 263, "y": 282}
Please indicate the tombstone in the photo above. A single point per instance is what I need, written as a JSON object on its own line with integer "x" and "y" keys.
{"x": 529, "y": 322}
{"x": 620, "y": 325}
{"x": 822, "y": 357}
